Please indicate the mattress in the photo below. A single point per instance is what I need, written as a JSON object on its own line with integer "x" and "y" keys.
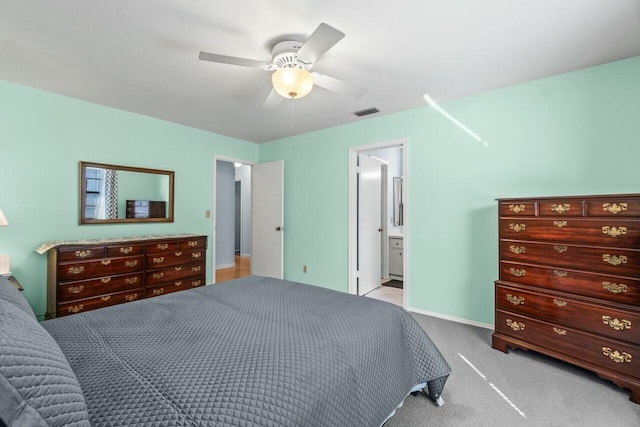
{"x": 250, "y": 352}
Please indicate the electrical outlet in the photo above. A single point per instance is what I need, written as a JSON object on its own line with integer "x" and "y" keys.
{"x": 207, "y": 213}
{"x": 304, "y": 268}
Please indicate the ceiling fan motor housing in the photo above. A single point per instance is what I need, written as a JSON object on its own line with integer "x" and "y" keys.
{"x": 284, "y": 55}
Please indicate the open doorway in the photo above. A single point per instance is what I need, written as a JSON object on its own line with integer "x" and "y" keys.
{"x": 377, "y": 221}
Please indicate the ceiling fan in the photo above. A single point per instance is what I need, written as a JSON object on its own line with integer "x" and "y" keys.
{"x": 291, "y": 62}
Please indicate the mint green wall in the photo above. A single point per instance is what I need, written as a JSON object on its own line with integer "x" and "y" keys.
{"x": 43, "y": 137}
{"x": 576, "y": 133}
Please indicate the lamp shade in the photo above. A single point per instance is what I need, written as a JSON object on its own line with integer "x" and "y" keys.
{"x": 292, "y": 82}
{"x": 3, "y": 219}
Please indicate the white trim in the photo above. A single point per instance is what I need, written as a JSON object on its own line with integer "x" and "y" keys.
{"x": 245, "y": 255}
{"x": 353, "y": 220}
{"x": 451, "y": 318}
{"x": 222, "y": 266}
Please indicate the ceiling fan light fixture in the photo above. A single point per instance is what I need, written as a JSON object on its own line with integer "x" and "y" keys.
{"x": 292, "y": 82}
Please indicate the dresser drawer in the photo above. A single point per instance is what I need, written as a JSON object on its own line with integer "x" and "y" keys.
{"x": 99, "y": 302}
{"x": 175, "y": 286}
{"x": 164, "y": 246}
{"x": 621, "y": 290}
{"x": 161, "y": 260}
{"x": 620, "y": 262}
{"x": 72, "y": 291}
{"x": 614, "y": 207}
{"x": 81, "y": 253}
{"x": 563, "y": 208}
{"x": 124, "y": 250}
{"x": 192, "y": 243}
{"x": 517, "y": 208}
{"x": 561, "y": 309}
{"x": 169, "y": 274}
{"x": 99, "y": 268}
{"x": 604, "y": 352}
{"x": 600, "y": 232}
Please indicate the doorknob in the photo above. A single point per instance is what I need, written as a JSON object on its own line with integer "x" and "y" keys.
{"x": 380, "y": 230}
{"x": 278, "y": 228}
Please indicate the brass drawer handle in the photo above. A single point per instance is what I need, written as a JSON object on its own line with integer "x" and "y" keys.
{"x": 76, "y": 270}
{"x": 517, "y": 249}
{"x": 560, "y": 273}
{"x": 614, "y": 231}
{"x": 516, "y": 326}
{"x": 131, "y": 297}
{"x": 193, "y": 244}
{"x": 75, "y": 308}
{"x": 126, "y": 250}
{"x": 196, "y": 283}
{"x": 518, "y": 272}
{"x": 163, "y": 246}
{"x": 178, "y": 268}
{"x": 158, "y": 291}
{"x": 517, "y": 227}
{"x": 560, "y": 331}
{"x": 105, "y": 262}
{"x": 178, "y": 253}
{"x": 131, "y": 280}
{"x": 105, "y": 280}
{"x": 105, "y": 297}
{"x": 514, "y": 299}
{"x": 561, "y": 207}
{"x": 178, "y": 283}
{"x": 198, "y": 268}
{"x": 516, "y": 208}
{"x": 131, "y": 263}
{"x": 616, "y": 324}
{"x": 560, "y": 224}
{"x": 196, "y": 255}
{"x": 158, "y": 260}
{"x": 83, "y": 254}
{"x": 76, "y": 289}
{"x": 616, "y": 356}
{"x": 614, "y": 259}
{"x": 158, "y": 275}
{"x": 614, "y": 208}
{"x": 559, "y": 302}
{"x": 560, "y": 248}
{"x": 615, "y": 288}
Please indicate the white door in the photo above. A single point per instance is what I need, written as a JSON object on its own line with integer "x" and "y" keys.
{"x": 267, "y": 226}
{"x": 369, "y": 223}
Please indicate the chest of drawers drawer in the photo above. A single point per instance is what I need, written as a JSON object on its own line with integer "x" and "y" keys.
{"x": 71, "y": 291}
{"x": 175, "y": 286}
{"x": 180, "y": 256}
{"x": 99, "y": 302}
{"x": 177, "y": 272}
{"x": 98, "y": 268}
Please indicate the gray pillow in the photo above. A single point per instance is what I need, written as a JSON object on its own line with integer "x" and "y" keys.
{"x": 40, "y": 386}
{"x": 10, "y": 293}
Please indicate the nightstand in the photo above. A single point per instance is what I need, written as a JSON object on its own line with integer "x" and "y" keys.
{"x": 15, "y": 283}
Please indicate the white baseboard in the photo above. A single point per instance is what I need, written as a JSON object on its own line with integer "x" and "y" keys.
{"x": 452, "y": 318}
{"x": 219, "y": 267}
{"x": 245, "y": 255}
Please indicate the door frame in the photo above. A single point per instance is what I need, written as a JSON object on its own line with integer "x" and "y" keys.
{"x": 214, "y": 213}
{"x": 353, "y": 211}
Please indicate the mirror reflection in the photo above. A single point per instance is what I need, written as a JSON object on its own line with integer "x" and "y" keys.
{"x": 114, "y": 194}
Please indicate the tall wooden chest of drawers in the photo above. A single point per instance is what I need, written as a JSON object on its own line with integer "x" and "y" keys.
{"x": 84, "y": 277}
{"x": 569, "y": 283}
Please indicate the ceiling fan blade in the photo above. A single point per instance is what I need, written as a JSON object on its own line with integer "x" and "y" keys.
{"x": 338, "y": 86}
{"x": 322, "y": 39}
{"x": 232, "y": 60}
{"x": 272, "y": 101}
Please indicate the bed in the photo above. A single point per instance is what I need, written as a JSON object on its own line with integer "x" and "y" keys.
{"x": 251, "y": 352}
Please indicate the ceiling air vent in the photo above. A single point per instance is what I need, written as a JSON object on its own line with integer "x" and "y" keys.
{"x": 366, "y": 112}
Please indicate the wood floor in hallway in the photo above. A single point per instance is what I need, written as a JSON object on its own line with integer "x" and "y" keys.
{"x": 241, "y": 269}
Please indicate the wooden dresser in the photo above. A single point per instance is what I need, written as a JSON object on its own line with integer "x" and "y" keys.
{"x": 86, "y": 276}
{"x": 569, "y": 282}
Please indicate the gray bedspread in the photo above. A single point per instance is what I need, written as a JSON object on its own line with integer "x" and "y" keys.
{"x": 250, "y": 352}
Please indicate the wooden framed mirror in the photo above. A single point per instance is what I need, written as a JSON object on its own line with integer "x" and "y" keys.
{"x": 111, "y": 194}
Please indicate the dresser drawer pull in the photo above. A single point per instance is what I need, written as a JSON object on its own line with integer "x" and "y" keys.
{"x": 196, "y": 255}
{"x": 193, "y": 244}
{"x": 158, "y": 291}
{"x": 198, "y": 268}
{"x": 178, "y": 253}
{"x": 158, "y": 260}
{"x": 614, "y": 208}
{"x": 105, "y": 280}
{"x": 614, "y": 231}
{"x": 158, "y": 275}
{"x": 75, "y": 308}
{"x": 196, "y": 283}
{"x": 516, "y": 326}
{"x": 517, "y": 249}
{"x": 616, "y": 356}
{"x": 518, "y": 272}
{"x": 614, "y": 259}
{"x": 105, "y": 262}
{"x": 131, "y": 263}
{"x": 514, "y": 299}
{"x": 105, "y": 297}
{"x": 131, "y": 297}
{"x": 178, "y": 268}
{"x": 616, "y": 324}
{"x": 178, "y": 283}
{"x": 516, "y": 208}
{"x": 126, "y": 250}
{"x": 162, "y": 246}
{"x": 560, "y": 224}
{"x": 560, "y": 248}
{"x": 131, "y": 280}
{"x": 561, "y": 208}
{"x": 559, "y": 331}
{"x": 560, "y": 273}
{"x": 76, "y": 270}
{"x": 76, "y": 289}
{"x": 615, "y": 288}
{"x": 517, "y": 227}
{"x": 83, "y": 254}
{"x": 559, "y": 302}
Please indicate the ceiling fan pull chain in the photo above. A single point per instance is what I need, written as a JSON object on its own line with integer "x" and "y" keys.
{"x": 292, "y": 114}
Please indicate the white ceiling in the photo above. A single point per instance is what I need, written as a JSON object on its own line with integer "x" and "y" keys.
{"x": 142, "y": 56}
